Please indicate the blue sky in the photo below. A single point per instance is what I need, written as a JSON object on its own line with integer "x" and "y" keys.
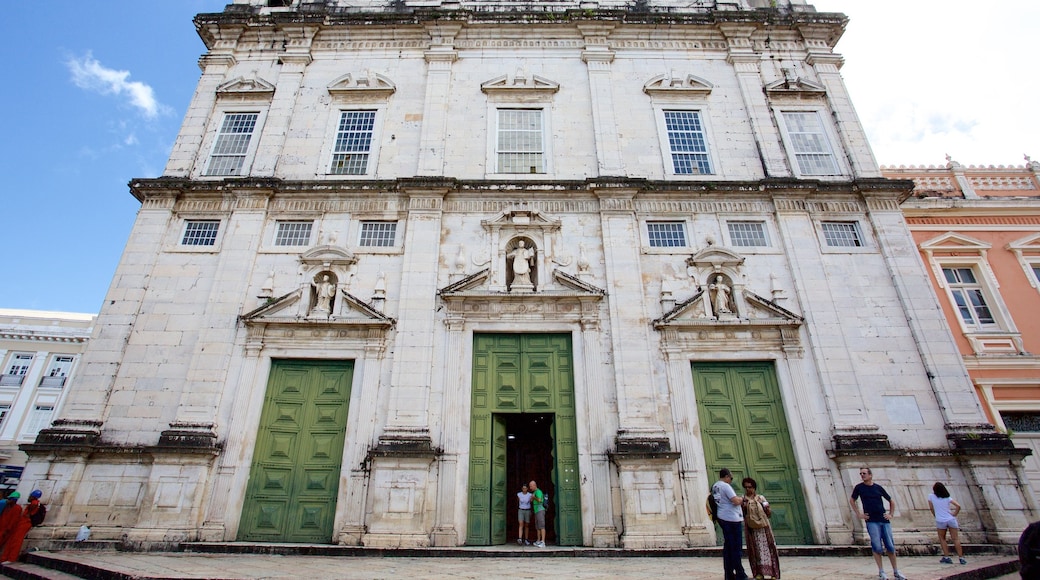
{"x": 97, "y": 91}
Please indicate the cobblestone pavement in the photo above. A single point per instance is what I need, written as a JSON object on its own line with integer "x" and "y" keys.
{"x": 238, "y": 566}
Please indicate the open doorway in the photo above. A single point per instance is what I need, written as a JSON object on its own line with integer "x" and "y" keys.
{"x": 529, "y": 456}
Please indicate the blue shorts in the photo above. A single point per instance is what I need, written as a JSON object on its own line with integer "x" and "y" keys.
{"x": 881, "y": 532}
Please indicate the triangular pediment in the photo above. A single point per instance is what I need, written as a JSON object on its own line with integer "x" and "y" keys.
{"x": 328, "y": 255}
{"x": 576, "y": 283}
{"x": 520, "y": 82}
{"x": 466, "y": 283}
{"x": 367, "y": 84}
{"x": 354, "y": 307}
{"x": 246, "y": 87}
{"x": 522, "y": 217}
{"x": 955, "y": 242}
{"x": 283, "y": 310}
{"x": 274, "y": 305}
{"x": 673, "y": 83}
{"x": 759, "y": 312}
{"x": 1027, "y": 244}
{"x": 796, "y": 87}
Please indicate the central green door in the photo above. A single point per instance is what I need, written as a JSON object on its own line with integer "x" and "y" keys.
{"x": 744, "y": 428}
{"x": 291, "y": 494}
{"x": 529, "y": 374}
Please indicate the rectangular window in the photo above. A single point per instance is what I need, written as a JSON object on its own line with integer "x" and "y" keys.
{"x": 200, "y": 232}
{"x": 16, "y": 369}
{"x": 1036, "y": 272}
{"x": 666, "y": 234}
{"x": 39, "y": 418}
{"x": 519, "y": 146}
{"x": 229, "y": 151}
{"x": 968, "y": 296}
{"x": 812, "y": 150}
{"x": 842, "y": 234}
{"x": 353, "y": 142}
{"x": 57, "y": 372}
{"x": 747, "y": 234}
{"x": 689, "y": 147}
{"x": 378, "y": 234}
{"x": 293, "y": 234}
{"x": 4, "y": 410}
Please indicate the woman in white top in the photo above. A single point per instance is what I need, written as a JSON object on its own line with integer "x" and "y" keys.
{"x": 945, "y": 510}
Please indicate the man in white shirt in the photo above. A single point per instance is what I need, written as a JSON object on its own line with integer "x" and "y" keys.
{"x": 731, "y": 519}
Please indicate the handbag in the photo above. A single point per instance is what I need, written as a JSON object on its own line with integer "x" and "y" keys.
{"x": 757, "y": 518}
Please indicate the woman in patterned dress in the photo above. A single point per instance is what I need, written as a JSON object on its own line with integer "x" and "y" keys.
{"x": 761, "y": 547}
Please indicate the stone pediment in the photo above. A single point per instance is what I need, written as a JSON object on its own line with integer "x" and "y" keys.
{"x": 243, "y": 87}
{"x": 362, "y": 85}
{"x": 520, "y": 82}
{"x": 467, "y": 282}
{"x": 328, "y": 255}
{"x": 1027, "y": 244}
{"x": 678, "y": 85}
{"x": 573, "y": 301}
{"x": 716, "y": 257}
{"x": 760, "y": 311}
{"x": 285, "y": 310}
{"x": 576, "y": 283}
{"x": 795, "y": 87}
{"x": 954, "y": 242}
{"x": 522, "y": 218}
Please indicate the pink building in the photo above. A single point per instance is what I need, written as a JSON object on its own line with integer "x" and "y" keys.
{"x": 978, "y": 230}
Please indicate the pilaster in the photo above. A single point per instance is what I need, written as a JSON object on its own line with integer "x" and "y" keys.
{"x": 453, "y": 426}
{"x": 434, "y": 132}
{"x": 215, "y": 67}
{"x": 597, "y": 57}
{"x": 280, "y": 114}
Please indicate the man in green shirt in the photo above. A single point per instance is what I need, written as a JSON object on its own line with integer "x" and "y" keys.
{"x": 539, "y": 512}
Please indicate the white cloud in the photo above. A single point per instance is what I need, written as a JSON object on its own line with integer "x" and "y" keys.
{"x": 89, "y": 74}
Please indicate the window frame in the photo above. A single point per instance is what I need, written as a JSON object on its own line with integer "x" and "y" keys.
{"x": 868, "y": 244}
{"x": 184, "y": 233}
{"x": 329, "y": 150}
{"x": 668, "y": 155}
{"x": 178, "y": 227}
{"x": 644, "y": 233}
{"x": 213, "y": 138}
{"x": 47, "y": 380}
{"x": 399, "y": 231}
{"x": 548, "y": 165}
{"x": 33, "y": 419}
{"x": 361, "y": 234}
{"x": 827, "y": 128}
{"x": 682, "y": 229}
{"x": 767, "y": 232}
{"x": 277, "y": 231}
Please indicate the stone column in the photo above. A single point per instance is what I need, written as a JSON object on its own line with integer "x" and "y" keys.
{"x": 215, "y": 67}
{"x": 598, "y": 56}
{"x": 434, "y": 133}
{"x": 453, "y": 427}
{"x": 746, "y": 63}
{"x": 214, "y": 345}
{"x": 599, "y": 414}
{"x": 827, "y": 64}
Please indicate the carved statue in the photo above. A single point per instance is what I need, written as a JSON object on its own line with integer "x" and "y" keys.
{"x": 722, "y": 293}
{"x": 522, "y": 257}
{"x": 324, "y": 291}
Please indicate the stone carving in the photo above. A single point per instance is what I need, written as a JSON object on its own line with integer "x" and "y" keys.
{"x": 721, "y": 293}
{"x": 324, "y": 292}
{"x": 522, "y": 258}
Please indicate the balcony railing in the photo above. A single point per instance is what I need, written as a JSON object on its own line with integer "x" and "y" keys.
{"x": 53, "y": 382}
{"x": 11, "y": 380}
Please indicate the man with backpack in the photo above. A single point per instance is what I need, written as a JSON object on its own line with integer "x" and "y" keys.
{"x": 731, "y": 520}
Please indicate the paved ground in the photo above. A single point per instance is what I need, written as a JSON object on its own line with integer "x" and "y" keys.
{"x": 240, "y": 566}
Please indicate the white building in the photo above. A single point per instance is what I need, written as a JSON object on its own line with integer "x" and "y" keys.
{"x": 40, "y": 352}
{"x": 405, "y": 257}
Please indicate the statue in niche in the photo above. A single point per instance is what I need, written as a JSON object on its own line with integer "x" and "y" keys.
{"x": 324, "y": 291}
{"x": 522, "y": 258}
{"x": 722, "y": 292}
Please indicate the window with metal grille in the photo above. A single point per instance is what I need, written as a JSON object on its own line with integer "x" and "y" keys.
{"x": 1021, "y": 421}
{"x": 353, "y": 142}
{"x": 57, "y": 372}
{"x": 229, "y": 151}
{"x": 519, "y": 146}
{"x": 842, "y": 234}
{"x": 666, "y": 234}
{"x": 200, "y": 232}
{"x": 968, "y": 296}
{"x": 686, "y": 140}
{"x": 747, "y": 234}
{"x": 812, "y": 150}
{"x": 293, "y": 233}
{"x": 378, "y": 234}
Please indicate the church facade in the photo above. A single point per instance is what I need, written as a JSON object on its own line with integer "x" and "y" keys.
{"x": 407, "y": 257}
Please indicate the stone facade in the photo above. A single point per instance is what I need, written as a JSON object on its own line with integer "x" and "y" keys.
{"x": 673, "y": 209}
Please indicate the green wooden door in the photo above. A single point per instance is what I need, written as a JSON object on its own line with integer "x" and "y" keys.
{"x": 521, "y": 373}
{"x": 744, "y": 428}
{"x": 291, "y": 494}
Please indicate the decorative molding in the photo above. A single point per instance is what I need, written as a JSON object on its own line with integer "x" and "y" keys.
{"x": 368, "y": 86}
{"x": 674, "y": 84}
{"x": 246, "y": 87}
{"x": 520, "y": 83}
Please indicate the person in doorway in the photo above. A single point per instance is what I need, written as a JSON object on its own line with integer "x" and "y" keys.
{"x": 945, "y": 510}
{"x": 538, "y": 505}
{"x": 731, "y": 520}
{"x": 878, "y": 527}
{"x": 761, "y": 546}
{"x": 523, "y": 516}
{"x": 12, "y": 546}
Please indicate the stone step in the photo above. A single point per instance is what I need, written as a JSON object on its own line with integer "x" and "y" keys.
{"x": 26, "y": 571}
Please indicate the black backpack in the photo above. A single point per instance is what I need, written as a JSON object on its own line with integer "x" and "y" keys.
{"x": 37, "y": 518}
{"x": 1029, "y": 551}
{"x": 712, "y": 506}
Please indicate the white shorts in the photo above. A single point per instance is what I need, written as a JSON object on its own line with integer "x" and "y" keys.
{"x": 947, "y": 524}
